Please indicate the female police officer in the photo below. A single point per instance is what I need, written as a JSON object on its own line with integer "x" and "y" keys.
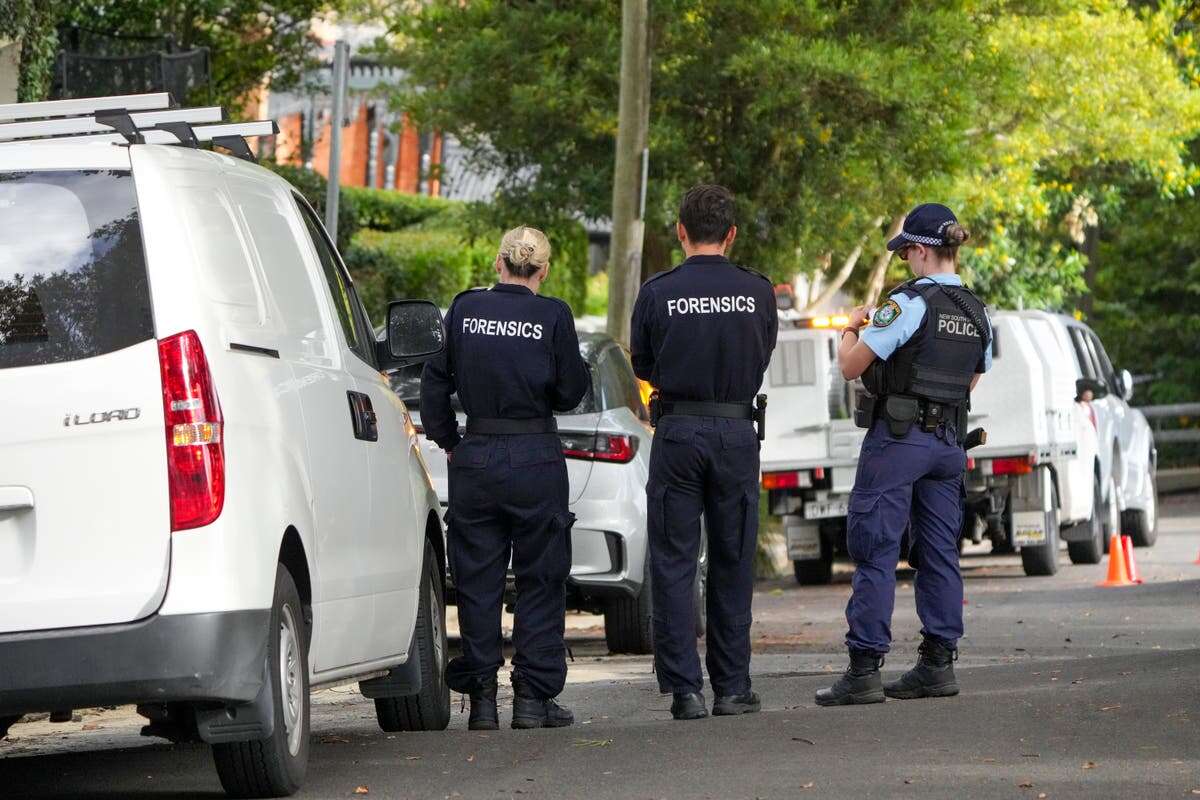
{"x": 919, "y": 358}
{"x": 513, "y": 358}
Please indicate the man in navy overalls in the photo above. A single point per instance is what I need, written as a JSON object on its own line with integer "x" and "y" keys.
{"x": 703, "y": 334}
{"x": 921, "y": 355}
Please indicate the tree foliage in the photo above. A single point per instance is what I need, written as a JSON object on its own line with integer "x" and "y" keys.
{"x": 249, "y": 41}
{"x": 822, "y": 118}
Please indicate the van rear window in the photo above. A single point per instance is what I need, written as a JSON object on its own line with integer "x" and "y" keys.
{"x": 72, "y": 269}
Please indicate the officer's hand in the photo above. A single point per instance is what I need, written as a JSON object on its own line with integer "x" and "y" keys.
{"x": 449, "y": 456}
{"x": 859, "y": 317}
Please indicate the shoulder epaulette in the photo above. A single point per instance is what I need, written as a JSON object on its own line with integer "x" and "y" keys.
{"x": 753, "y": 272}
{"x": 658, "y": 275}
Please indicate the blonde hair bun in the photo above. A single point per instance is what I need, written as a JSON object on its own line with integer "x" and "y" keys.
{"x": 955, "y": 235}
{"x": 525, "y": 250}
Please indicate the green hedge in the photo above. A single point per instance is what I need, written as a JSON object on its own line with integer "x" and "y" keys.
{"x": 430, "y": 265}
{"x": 386, "y": 210}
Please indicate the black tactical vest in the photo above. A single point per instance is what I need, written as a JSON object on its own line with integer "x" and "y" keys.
{"x": 942, "y": 357}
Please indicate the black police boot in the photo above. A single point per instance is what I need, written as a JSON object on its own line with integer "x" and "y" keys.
{"x": 688, "y": 705}
{"x": 860, "y": 684}
{"x": 733, "y": 704}
{"x": 484, "y": 716}
{"x": 530, "y": 711}
{"x": 933, "y": 676}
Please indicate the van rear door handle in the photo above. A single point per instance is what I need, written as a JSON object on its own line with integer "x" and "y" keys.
{"x": 15, "y": 498}
{"x": 362, "y": 416}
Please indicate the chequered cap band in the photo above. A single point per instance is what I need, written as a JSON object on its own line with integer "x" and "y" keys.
{"x": 932, "y": 241}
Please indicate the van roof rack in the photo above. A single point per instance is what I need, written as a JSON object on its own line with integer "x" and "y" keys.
{"x": 126, "y": 119}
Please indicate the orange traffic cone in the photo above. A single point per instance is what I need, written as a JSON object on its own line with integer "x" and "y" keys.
{"x": 1130, "y": 564}
{"x": 1118, "y": 573}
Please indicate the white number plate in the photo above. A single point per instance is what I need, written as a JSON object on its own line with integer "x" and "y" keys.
{"x": 826, "y": 508}
{"x": 1029, "y": 528}
{"x": 804, "y": 542}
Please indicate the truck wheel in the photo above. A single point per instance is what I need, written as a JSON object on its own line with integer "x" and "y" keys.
{"x": 429, "y": 709}
{"x": 1043, "y": 560}
{"x": 1091, "y": 550}
{"x": 275, "y": 766}
{"x": 8, "y": 722}
{"x": 629, "y": 622}
{"x": 1142, "y": 523}
{"x": 814, "y": 571}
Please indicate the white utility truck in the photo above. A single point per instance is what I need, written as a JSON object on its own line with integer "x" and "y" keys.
{"x": 1032, "y": 485}
{"x": 810, "y": 453}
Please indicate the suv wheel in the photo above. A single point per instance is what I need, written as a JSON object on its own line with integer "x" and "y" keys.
{"x": 429, "y": 709}
{"x": 1142, "y": 523}
{"x": 275, "y": 766}
{"x": 1091, "y": 550}
{"x": 629, "y": 621}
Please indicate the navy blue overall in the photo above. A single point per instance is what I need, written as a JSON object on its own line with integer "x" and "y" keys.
{"x": 703, "y": 332}
{"x": 914, "y": 482}
{"x": 510, "y": 355}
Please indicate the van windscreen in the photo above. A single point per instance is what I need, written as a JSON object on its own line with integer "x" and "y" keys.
{"x": 73, "y": 279}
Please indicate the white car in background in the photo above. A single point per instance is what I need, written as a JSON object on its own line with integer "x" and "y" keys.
{"x": 606, "y": 441}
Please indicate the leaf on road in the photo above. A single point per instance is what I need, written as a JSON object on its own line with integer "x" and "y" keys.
{"x": 802, "y": 739}
{"x": 1089, "y": 765}
{"x": 1110, "y": 708}
{"x": 361, "y": 790}
{"x": 1041, "y": 796}
{"x": 808, "y": 785}
{"x": 593, "y": 742}
{"x": 412, "y": 758}
{"x": 334, "y": 740}
{"x": 471, "y": 757}
{"x": 1025, "y": 785}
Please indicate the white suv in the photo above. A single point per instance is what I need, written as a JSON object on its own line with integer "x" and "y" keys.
{"x": 210, "y": 499}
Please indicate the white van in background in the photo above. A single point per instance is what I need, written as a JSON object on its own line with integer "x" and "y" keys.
{"x": 210, "y": 498}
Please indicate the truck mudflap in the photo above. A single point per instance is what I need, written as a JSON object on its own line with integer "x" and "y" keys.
{"x": 1032, "y": 502}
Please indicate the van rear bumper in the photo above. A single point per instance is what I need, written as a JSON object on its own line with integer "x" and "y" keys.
{"x": 217, "y": 656}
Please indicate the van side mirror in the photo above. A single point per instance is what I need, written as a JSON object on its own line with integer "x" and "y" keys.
{"x": 414, "y": 333}
{"x": 1097, "y": 389}
{"x": 1126, "y": 384}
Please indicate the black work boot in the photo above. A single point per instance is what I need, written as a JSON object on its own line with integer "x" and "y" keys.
{"x": 933, "y": 676}
{"x": 531, "y": 711}
{"x": 484, "y": 716}
{"x": 860, "y": 684}
{"x": 689, "y": 705}
{"x": 732, "y": 704}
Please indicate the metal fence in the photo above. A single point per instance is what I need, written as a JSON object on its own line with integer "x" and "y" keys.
{"x": 1157, "y": 414}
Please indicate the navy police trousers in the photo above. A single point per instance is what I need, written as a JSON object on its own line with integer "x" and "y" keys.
{"x": 709, "y": 466}
{"x": 508, "y": 496}
{"x": 917, "y": 477}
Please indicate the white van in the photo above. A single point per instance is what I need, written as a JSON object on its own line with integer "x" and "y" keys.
{"x": 210, "y": 498}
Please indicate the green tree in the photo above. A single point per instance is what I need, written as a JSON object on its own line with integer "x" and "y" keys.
{"x": 249, "y": 41}
{"x": 824, "y": 122}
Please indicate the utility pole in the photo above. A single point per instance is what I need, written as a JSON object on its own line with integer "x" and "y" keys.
{"x": 633, "y": 124}
{"x": 341, "y": 64}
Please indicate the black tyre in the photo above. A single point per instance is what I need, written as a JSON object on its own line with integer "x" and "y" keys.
{"x": 1043, "y": 559}
{"x": 814, "y": 571}
{"x": 629, "y": 621}
{"x": 1142, "y": 523}
{"x": 1091, "y": 550}
{"x": 6, "y": 723}
{"x": 275, "y": 766}
{"x": 428, "y": 710}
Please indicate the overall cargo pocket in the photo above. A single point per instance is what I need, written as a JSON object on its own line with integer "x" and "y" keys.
{"x": 863, "y": 524}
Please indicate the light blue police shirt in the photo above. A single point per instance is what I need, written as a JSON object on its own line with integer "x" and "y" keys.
{"x": 884, "y": 339}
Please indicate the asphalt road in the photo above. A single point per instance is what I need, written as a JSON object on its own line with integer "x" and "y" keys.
{"x": 1068, "y": 691}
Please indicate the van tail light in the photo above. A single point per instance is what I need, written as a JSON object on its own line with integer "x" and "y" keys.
{"x": 1012, "y": 466}
{"x": 195, "y": 427}
{"x": 794, "y": 479}
{"x": 617, "y": 448}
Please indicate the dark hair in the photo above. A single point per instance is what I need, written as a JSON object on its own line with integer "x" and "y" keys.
{"x": 706, "y": 212}
{"x": 954, "y": 235}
